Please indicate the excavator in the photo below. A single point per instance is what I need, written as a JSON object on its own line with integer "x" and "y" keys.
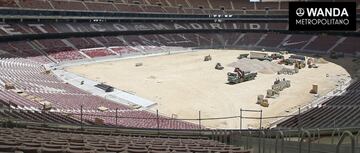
{"x": 239, "y": 76}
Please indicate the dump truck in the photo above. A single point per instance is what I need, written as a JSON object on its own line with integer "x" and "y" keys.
{"x": 242, "y": 56}
{"x": 276, "y": 56}
{"x": 287, "y": 61}
{"x": 239, "y": 76}
{"x": 260, "y": 56}
{"x": 297, "y": 57}
{"x": 299, "y": 64}
{"x": 311, "y": 63}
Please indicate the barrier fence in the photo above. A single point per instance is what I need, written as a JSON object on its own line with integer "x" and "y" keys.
{"x": 202, "y": 122}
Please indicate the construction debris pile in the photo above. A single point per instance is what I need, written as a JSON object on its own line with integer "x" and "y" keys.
{"x": 262, "y": 101}
{"x": 265, "y": 67}
{"x": 279, "y": 85}
{"x": 207, "y": 58}
{"x": 288, "y": 71}
{"x": 218, "y": 66}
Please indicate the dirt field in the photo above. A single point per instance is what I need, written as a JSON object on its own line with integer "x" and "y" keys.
{"x": 184, "y": 84}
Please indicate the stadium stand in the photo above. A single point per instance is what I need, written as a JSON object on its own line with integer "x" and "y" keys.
{"x": 179, "y": 3}
{"x": 151, "y": 8}
{"x": 59, "y": 50}
{"x": 243, "y": 4}
{"x": 67, "y": 55}
{"x": 60, "y": 27}
{"x": 38, "y": 116}
{"x": 219, "y": 4}
{"x": 100, "y": 6}
{"x": 272, "y": 40}
{"x": 338, "y": 111}
{"x": 192, "y": 6}
{"x": 349, "y": 45}
{"x": 159, "y": 2}
{"x": 38, "y": 4}
{"x": 7, "y": 3}
{"x": 97, "y": 52}
{"x": 249, "y": 39}
{"x": 322, "y": 43}
{"x": 267, "y": 5}
{"x": 31, "y": 95}
{"x": 296, "y": 42}
{"x": 68, "y": 5}
{"x": 33, "y": 88}
{"x": 36, "y": 139}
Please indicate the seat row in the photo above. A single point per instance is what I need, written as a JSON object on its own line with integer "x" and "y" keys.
{"x": 39, "y": 141}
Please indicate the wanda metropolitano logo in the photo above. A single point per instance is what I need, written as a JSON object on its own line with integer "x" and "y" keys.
{"x": 321, "y": 16}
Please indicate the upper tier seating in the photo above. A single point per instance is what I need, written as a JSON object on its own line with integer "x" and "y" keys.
{"x": 219, "y": 4}
{"x": 8, "y": 3}
{"x": 35, "y": 4}
{"x": 98, "y": 6}
{"x": 159, "y": 2}
{"x": 46, "y": 51}
{"x": 243, "y": 4}
{"x": 267, "y": 5}
{"x": 68, "y": 5}
{"x": 70, "y": 27}
{"x": 157, "y": 6}
{"x": 200, "y": 4}
{"x": 178, "y": 3}
{"x": 151, "y": 8}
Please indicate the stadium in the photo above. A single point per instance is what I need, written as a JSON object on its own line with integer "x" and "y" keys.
{"x": 156, "y": 76}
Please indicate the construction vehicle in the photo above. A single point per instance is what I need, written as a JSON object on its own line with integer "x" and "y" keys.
{"x": 207, "y": 58}
{"x": 299, "y": 64}
{"x": 239, "y": 76}
{"x": 297, "y": 57}
{"x": 287, "y": 61}
{"x": 311, "y": 63}
{"x": 219, "y": 66}
{"x": 276, "y": 56}
{"x": 242, "y": 56}
{"x": 260, "y": 56}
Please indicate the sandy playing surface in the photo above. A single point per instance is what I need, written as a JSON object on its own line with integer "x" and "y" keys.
{"x": 183, "y": 84}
